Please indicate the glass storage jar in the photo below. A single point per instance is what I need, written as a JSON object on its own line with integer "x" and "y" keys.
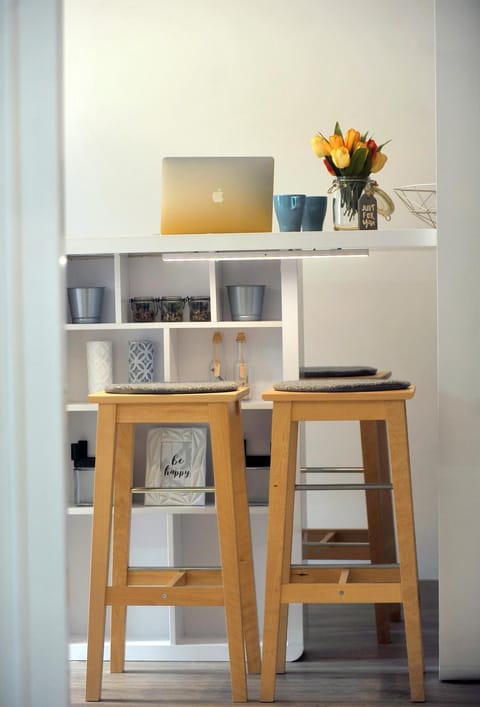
{"x": 199, "y": 309}
{"x": 171, "y": 308}
{"x": 144, "y": 309}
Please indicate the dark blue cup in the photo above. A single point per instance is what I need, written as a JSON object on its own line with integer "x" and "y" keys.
{"x": 314, "y": 213}
{"x": 289, "y": 211}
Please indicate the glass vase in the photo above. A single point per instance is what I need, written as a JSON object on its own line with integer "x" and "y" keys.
{"x": 346, "y": 193}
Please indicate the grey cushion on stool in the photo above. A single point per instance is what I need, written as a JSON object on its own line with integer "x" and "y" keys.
{"x": 336, "y": 371}
{"x": 169, "y": 388}
{"x": 340, "y": 385}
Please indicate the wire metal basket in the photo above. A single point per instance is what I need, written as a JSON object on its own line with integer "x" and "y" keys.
{"x": 420, "y": 200}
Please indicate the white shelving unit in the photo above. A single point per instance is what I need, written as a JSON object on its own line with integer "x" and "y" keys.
{"x": 133, "y": 266}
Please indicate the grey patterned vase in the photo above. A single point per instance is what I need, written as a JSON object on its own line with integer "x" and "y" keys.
{"x": 141, "y": 354}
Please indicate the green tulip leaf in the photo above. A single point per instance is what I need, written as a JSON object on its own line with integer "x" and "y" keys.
{"x": 338, "y": 130}
{"x": 379, "y": 148}
{"x": 368, "y": 164}
{"x": 357, "y": 162}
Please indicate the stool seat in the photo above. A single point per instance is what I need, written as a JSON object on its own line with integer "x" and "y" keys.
{"x": 383, "y": 426}
{"x": 231, "y": 585}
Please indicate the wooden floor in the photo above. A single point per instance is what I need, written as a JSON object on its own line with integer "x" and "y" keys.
{"x": 342, "y": 665}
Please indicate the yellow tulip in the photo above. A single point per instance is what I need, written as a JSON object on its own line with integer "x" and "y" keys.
{"x": 378, "y": 161}
{"x": 336, "y": 141}
{"x": 340, "y": 157}
{"x": 320, "y": 146}
{"x": 352, "y": 138}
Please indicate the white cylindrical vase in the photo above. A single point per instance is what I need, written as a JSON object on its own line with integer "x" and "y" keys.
{"x": 141, "y": 355}
{"x": 99, "y": 365}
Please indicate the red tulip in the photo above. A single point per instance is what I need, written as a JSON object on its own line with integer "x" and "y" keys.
{"x": 329, "y": 167}
{"x": 372, "y": 146}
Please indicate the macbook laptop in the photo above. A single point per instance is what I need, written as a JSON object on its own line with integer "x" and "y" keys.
{"x": 216, "y": 195}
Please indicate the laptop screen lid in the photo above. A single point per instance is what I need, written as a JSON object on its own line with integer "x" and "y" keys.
{"x": 217, "y": 195}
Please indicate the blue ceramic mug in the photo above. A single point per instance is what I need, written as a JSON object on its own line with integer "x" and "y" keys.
{"x": 289, "y": 211}
{"x": 314, "y": 213}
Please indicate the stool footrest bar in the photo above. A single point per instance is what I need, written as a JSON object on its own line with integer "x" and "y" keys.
{"x": 335, "y": 544}
{"x": 364, "y": 566}
{"x": 332, "y": 470}
{"x": 343, "y": 487}
{"x": 170, "y": 489}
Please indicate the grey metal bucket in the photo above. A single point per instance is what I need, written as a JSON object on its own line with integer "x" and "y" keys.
{"x": 246, "y": 302}
{"x": 85, "y": 304}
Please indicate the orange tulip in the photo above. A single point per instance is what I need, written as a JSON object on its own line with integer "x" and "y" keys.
{"x": 336, "y": 141}
{"x": 352, "y": 138}
{"x": 378, "y": 161}
{"x": 340, "y": 157}
{"x": 320, "y": 146}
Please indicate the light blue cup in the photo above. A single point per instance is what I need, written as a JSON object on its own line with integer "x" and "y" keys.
{"x": 314, "y": 213}
{"x": 289, "y": 211}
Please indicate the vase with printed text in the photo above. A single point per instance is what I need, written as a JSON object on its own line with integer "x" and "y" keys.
{"x": 346, "y": 192}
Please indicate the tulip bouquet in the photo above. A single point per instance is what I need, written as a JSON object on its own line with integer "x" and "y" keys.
{"x": 354, "y": 155}
{"x": 350, "y": 158}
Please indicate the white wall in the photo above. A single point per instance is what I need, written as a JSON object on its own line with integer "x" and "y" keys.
{"x": 153, "y": 78}
{"x": 33, "y": 617}
{"x": 378, "y": 311}
{"x": 458, "y": 61}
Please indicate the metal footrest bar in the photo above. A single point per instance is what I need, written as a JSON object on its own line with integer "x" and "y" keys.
{"x": 343, "y": 487}
{"x": 308, "y": 569}
{"x": 332, "y": 470}
{"x": 345, "y": 544}
{"x": 170, "y": 489}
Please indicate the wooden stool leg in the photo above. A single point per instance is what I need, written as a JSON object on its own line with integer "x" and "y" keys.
{"x": 279, "y": 543}
{"x": 122, "y": 505}
{"x": 101, "y": 527}
{"x": 287, "y": 546}
{"x": 381, "y": 527}
{"x": 388, "y": 522}
{"x": 226, "y": 463}
{"x": 247, "y": 577}
{"x": 399, "y": 455}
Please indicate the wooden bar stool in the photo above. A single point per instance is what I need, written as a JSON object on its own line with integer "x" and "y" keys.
{"x": 380, "y": 407}
{"x": 231, "y": 585}
{"x": 375, "y": 543}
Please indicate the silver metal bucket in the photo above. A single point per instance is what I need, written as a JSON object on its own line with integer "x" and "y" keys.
{"x": 246, "y": 302}
{"x": 85, "y": 304}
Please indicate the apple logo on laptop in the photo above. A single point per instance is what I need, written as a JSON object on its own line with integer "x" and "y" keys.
{"x": 217, "y": 196}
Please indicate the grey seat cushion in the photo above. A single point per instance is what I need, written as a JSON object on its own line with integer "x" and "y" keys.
{"x": 336, "y": 371}
{"x": 340, "y": 385}
{"x": 170, "y": 388}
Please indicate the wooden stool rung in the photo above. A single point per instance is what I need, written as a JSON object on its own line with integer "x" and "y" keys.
{"x": 349, "y": 544}
{"x": 187, "y": 595}
{"x": 333, "y": 593}
{"x": 167, "y": 576}
{"x": 335, "y": 536}
{"x": 320, "y": 584}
